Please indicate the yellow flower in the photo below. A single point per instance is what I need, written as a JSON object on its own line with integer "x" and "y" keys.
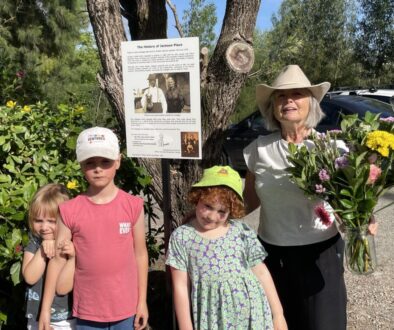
{"x": 72, "y": 184}
{"x": 380, "y": 141}
{"x": 26, "y": 108}
{"x": 79, "y": 109}
{"x": 11, "y": 104}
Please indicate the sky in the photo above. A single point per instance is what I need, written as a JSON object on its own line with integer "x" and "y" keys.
{"x": 267, "y": 8}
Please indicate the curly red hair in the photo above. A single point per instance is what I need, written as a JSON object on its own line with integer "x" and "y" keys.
{"x": 223, "y": 194}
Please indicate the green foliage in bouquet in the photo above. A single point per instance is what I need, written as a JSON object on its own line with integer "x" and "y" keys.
{"x": 348, "y": 168}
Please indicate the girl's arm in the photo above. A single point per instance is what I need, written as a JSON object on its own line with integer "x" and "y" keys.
{"x": 33, "y": 265}
{"x": 181, "y": 289}
{"x": 65, "y": 281}
{"x": 262, "y": 273}
{"x": 141, "y": 256}
{"x": 251, "y": 199}
{"x": 54, "y": 268}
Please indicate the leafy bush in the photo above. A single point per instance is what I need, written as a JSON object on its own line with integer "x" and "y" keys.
{"x": 36, "y": 147}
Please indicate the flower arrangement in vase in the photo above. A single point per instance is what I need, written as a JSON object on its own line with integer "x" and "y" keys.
{"x": 349, "y": 169}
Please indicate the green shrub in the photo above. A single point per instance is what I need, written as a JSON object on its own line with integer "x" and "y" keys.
{"x": 36, "y": 147}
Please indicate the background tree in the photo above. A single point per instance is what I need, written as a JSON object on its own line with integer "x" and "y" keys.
{"x": 314, "y": 34}
{"x": 46, "y": 53}
{"x": 375, "y": 40}
{"x": 200, "y": 20}
{"x": 220, "y": 88}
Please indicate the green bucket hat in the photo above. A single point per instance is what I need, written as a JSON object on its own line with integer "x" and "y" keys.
{"x": 221, "y": 176}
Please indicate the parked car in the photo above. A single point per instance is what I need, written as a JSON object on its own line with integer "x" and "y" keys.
{"x": 238, "y": 136}
{"x": 384, "y": 95}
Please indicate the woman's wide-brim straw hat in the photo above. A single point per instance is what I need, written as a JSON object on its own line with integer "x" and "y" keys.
{"x": 291, "y": 77}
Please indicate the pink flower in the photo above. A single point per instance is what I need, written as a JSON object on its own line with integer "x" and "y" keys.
{"x": 323, "y": 175}
{"x": 20, "y": 74}
{"x": 323, "y": 215}
{"x": 374, "y": 173}
{"x": 388, "y": 119}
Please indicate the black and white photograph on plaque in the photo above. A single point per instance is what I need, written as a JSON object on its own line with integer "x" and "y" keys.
{"x": 163, "y": 93}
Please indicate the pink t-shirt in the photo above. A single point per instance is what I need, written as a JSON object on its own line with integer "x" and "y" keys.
{"x": 105, "y": 282}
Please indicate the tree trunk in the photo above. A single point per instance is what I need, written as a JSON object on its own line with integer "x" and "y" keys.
{"x": 226, "y": 74}
{"x": 109, "y": 33}
{"x": 147, "y": 19}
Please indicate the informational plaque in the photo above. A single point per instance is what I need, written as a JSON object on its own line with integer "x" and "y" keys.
{"x": 161, "y": 81}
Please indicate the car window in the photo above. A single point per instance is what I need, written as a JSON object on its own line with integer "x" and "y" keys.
{"x": 376, "y": 106}
{"x": 257, "y": 122}
{"x": 332, "y": 112}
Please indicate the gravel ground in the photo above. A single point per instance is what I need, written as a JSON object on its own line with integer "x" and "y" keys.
{"x": 371, "y": 297}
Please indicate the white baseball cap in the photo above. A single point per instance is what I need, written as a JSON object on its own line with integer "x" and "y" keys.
{"x": 97, "y": 142}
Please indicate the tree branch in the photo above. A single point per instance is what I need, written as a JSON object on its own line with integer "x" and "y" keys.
{"x": 177, "y": 25}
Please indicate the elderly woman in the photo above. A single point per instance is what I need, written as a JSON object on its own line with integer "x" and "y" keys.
{"x": 175, "y": 99}
{"x": 306, "y": 263}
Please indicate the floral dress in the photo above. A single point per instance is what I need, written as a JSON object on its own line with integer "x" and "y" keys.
{"x": 225, "y": 294}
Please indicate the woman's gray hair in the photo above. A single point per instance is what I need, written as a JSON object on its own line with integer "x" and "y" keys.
{"x": 315, "y": 114}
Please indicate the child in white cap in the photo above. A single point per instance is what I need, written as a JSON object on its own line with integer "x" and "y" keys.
{"x": 217, "y": 263}
{"x": 106, "y": 225}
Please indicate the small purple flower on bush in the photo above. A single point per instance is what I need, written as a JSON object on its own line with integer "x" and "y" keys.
{"x": 323, "y": 175}
{"x": 20, "y": 74}
{"x": 319, "y": 189}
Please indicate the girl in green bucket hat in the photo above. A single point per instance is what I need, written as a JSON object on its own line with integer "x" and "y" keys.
{"x": 217, "y": 264}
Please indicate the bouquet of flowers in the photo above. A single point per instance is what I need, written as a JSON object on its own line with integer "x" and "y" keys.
{"x": 348, "y": 169}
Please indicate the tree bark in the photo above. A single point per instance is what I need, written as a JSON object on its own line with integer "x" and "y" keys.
{"x": 147, "y": 19}
{"x": 109, "y": 33}
{"x": 222, "y": 83}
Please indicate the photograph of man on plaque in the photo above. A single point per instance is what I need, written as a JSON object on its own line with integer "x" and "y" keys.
{"x": 153, "y": 99}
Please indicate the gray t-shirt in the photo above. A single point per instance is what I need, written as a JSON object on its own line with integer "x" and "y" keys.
{"x": 62, "y": 305}
{"x": 287, "y": 216}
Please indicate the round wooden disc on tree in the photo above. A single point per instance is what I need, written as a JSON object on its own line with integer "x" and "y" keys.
{"x": 240, "y": 56}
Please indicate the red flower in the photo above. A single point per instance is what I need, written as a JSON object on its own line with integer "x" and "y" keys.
{"x": 18, "y": 249}
{"x": 323, "y": 215}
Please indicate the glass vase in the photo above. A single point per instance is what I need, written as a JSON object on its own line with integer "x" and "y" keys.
{"x": 360, "y": 252}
